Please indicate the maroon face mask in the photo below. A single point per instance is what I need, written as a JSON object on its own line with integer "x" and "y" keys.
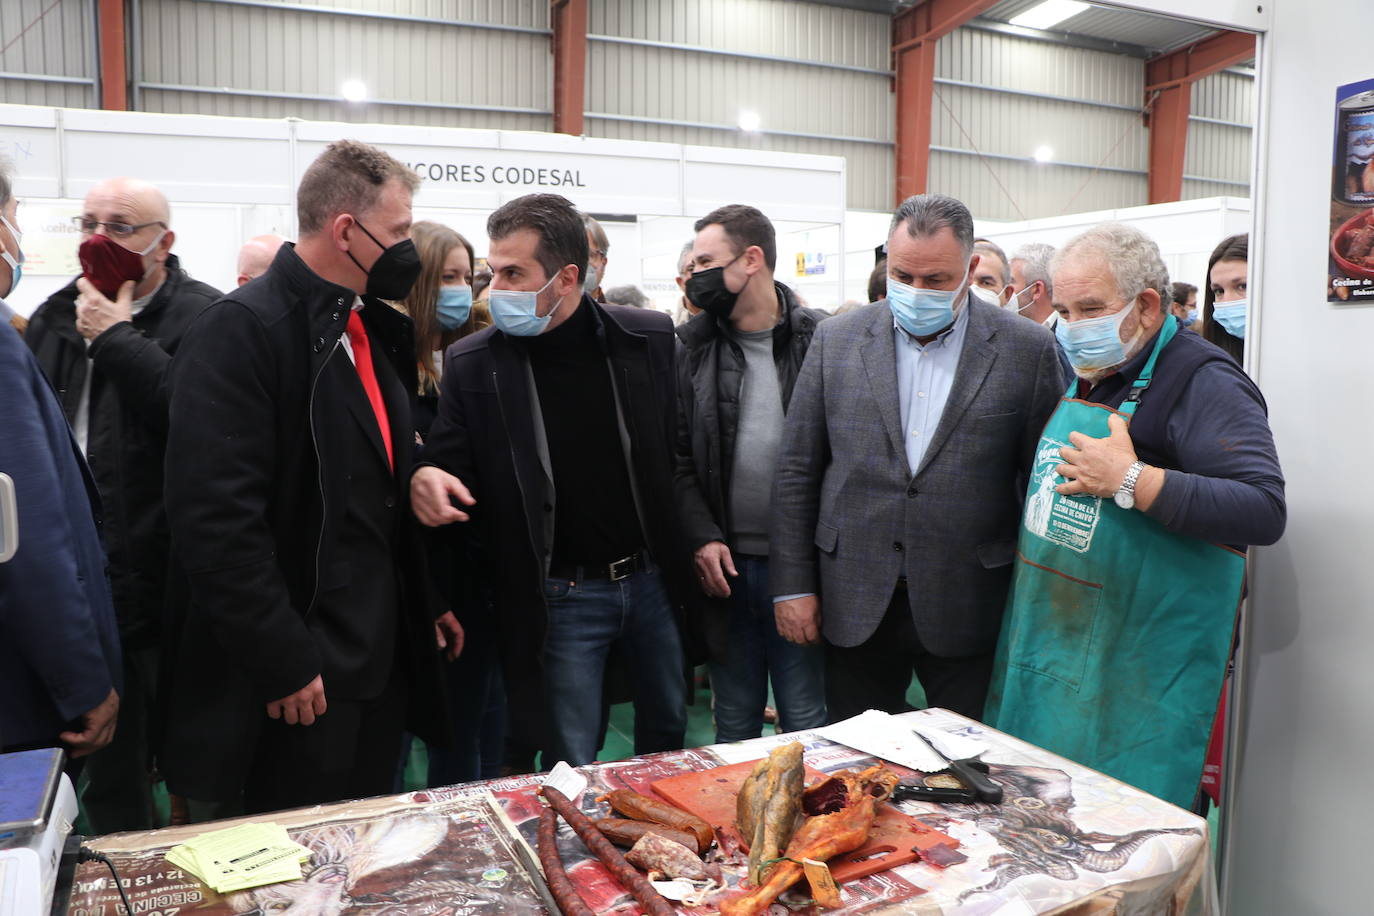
{"x": 108, "y": 264}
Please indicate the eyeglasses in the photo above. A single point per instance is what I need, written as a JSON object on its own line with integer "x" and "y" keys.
{"x": 114, "y": 230}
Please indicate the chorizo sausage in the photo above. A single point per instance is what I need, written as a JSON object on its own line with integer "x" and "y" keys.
{"x": 643, "y": 808}
{"x": 560, "y": 885}
{"x": 654, "y": 853}
{"x": 624, "y": 832}
{"x": 622, "y": 871}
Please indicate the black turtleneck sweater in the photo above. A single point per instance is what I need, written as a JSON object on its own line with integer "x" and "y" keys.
{"x": 595, "y": 523}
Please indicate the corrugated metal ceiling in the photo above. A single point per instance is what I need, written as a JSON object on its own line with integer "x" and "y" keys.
{"x": 1147, "y": 31}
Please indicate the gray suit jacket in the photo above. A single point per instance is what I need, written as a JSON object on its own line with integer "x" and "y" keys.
{"x": 848, "y": 516}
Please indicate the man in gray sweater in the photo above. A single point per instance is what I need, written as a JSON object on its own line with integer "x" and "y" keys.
{"x": 737, "y": 362}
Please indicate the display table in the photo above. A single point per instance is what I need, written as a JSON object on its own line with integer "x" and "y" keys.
{"x": 1065, "y": 840}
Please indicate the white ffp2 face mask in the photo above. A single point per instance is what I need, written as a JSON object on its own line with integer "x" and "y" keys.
{"x": 1015, "y": 304}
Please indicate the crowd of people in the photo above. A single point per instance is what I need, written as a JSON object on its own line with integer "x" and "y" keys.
{"x": 383, "y": 491}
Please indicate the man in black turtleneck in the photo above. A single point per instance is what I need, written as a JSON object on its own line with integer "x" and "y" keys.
{"x": 555, "y": 434}
{"x": 596, "y": 521}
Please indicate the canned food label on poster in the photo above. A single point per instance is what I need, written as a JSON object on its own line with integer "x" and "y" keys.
{"x": 1350, "y": 249}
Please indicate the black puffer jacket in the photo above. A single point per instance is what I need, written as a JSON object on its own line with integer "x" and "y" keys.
{"x": 710, "y": 369}
{"x": 127, "y": 432}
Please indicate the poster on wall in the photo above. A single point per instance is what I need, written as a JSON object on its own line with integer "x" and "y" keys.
{"x": 1350, "y": 254}
{"x": 50, "y": 239}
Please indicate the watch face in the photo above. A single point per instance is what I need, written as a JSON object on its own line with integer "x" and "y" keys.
{"x": 1124, "y": 499}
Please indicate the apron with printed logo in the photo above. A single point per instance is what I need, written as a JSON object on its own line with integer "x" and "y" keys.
{"x": 1117, "y": 631}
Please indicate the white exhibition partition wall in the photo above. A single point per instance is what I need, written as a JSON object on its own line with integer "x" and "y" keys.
{"x": 1297, "y": 842}
{"x": 229, "y": 179}
{"x": 1297, "y": 811}
{"x": 1186, "y": 231}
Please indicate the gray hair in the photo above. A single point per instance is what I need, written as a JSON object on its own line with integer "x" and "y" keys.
{"x": 684, "y": 259}
{"x": 627, "y": 295}
{"x": 984, "y": 246}
{"x": 1132, "y": 256}
{"x": 927, "y": 214}
{"x": 6, "y": 180}
{"x": 596, "y": 236}
{"x": 1035, "y": 260}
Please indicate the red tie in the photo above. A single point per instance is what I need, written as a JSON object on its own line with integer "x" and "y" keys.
{"x": 362, "y": 359}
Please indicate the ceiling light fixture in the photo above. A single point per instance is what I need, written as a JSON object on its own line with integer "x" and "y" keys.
{"x": 1043, "y": 154}
{"x": 1048, "y": 14}
{"x": 354, "y": 90}
{"x": 749, "y": 121}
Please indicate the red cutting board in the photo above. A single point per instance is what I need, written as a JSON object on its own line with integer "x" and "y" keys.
{"x": 894, "y": 839}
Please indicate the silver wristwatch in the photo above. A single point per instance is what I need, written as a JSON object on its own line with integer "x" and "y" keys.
{"x": 1125, "y": 497}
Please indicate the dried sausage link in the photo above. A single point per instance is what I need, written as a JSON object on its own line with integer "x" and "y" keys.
{"x": 615, "y": 863}
{"x": 560, "y": 885}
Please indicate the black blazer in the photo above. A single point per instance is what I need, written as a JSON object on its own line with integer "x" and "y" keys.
{"x": 259, "y": 478}
{"x": 485, "y": 435}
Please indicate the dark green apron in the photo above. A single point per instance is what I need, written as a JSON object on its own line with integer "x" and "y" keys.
{"x": 1117, "y": 631}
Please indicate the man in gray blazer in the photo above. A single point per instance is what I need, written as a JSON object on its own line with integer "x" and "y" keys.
{"x": 901, "y": 477}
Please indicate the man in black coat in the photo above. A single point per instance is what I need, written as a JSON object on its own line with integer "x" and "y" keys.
{"x": 555, "y": 429}
{"x": 105, "y": 341}
{"x": 308, "y": 640}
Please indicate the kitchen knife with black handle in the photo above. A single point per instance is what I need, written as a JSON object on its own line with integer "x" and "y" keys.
{"x": 971, "y": 773}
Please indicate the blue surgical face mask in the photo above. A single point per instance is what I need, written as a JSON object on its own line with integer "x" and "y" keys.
{"x": 1192, "y": 317}
{"x": 922, "y": 312}
{"x": 513, "y": 311}
{"x": 1231, "y": 316}
{"x": 455, "y": 302}
{"x": 1092, "y": 344}
{"x": 592, "y": 278}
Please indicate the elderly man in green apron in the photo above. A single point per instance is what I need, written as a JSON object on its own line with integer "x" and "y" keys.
{"x": 1151, "y": 478}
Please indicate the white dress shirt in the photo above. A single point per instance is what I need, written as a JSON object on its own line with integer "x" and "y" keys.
{"x": 925, "y": 375}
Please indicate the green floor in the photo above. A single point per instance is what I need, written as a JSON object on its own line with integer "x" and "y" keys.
{"x": 700, "y": 729}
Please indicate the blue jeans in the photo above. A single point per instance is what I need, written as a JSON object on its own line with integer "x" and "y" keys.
{"x": 756, "y": 651}
{"x": 586, "y": 616}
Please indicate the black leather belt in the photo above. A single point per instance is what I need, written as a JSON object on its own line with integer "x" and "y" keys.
{"x": 615, "y": 571}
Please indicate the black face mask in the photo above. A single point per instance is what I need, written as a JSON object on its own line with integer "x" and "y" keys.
{"x": 706, "y": 289}
{"x": 394, "y": 272}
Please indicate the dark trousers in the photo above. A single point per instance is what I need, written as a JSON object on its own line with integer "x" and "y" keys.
{"x": 119, "y": 777}
{"x": 350, "y": 752}
{"x": 876, "y": 673}
{"x": 477, "y": 711}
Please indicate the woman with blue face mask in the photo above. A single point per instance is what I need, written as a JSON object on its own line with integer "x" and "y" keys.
{"x": 1226, "y": 302}
{"x": 440, "y": 303}
{"x": 442, "y": 307}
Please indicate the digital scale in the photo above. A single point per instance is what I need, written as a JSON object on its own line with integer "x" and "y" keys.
{"x": 37, "y": 810}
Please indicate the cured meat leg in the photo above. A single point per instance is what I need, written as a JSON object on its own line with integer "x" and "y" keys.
{"x": 823, "y": 836}
{"x": 768, "y": 806}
